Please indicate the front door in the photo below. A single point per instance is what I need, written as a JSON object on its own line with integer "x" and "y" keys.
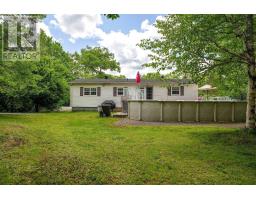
{"x": 141, "y": 94}
{"x": 125, "y": 106}
{"x": 149, "y": 93}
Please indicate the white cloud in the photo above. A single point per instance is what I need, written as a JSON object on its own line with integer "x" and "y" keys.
{"x": 72, "y": 40}
{"x": 160, "y": 17}
{"x": 1, "y": 19}
{"x": 53, "y": 22}
{"x": 124, "y": 46}
{"x": 79, "y": 26}
{"x": 44, "y": 27}
{"x": 126, "y": 50}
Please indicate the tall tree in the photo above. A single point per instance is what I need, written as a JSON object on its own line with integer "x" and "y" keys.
{"x": 29, "y": 85}
{"x": 94, "y": 61}
{"x": 198, "y": 44}
{"x": 112, "y": 16}
{"x": 157, "y": 75}
{"x": 152, "y": 76}
{"x": 54, "y": 73}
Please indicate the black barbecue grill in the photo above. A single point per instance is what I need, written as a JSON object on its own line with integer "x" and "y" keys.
{"x": 111, "y": 103}
{"x": 106, "y": 107}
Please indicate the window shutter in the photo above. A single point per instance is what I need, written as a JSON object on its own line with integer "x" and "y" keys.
{"x": 98, "y": 91}
{"x": 182, "y": 90}
{"x": 114, "y": 91}
{"x": 81, "y": 91}
{"x": 169, "y": 91}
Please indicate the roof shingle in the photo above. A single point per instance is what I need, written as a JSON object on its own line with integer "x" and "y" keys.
{"x": 114, "y": 81}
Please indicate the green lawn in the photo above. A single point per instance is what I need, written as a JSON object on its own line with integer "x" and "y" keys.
{"x": 80, "y": 148}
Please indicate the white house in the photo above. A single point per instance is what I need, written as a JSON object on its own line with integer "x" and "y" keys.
{"x": 89, "y": 93}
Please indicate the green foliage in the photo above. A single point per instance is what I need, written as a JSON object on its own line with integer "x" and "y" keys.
{"x": 205, "y": 48}
{"x": 233, "y": 84}
{"x": 112, "y": 16}
{"x": 81, "y": 148}
{"x": 94, "y": 62}
{"x": 157, "y": 75}
{"x": 103, "y": 75}
{"x": 29, "y": 85}
{"x": 54, "y": 71}
{"x": 152, "y": 76}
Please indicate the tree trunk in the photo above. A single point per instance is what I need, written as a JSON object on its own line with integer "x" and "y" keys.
{"x": 37, "y": 107}
{"x": 250, "y": 55}
{"x": 251, "y": 97}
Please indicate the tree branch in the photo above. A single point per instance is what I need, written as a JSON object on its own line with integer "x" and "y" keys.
{"x": 242, "y": 58}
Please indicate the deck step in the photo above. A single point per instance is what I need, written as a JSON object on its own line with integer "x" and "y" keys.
{"x": 120, "y": 115}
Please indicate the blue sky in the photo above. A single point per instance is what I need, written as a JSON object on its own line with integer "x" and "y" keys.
{"x": 120, "y": 36}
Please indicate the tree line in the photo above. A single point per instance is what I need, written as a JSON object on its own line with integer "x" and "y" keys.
{"x": 28, "y": 86}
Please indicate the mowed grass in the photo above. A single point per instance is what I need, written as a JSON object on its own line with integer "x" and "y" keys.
{"x": 80, "y": 148}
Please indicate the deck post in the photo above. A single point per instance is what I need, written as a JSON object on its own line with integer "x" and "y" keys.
{"x": 140, "y": 111}
{"x": 128, "y": 109}
{"x": 215, "y": 112}
{"x": 197, "y": 112}
{"x": 161, "y": 111}
{"x": 179, "y": 112}
{"x": 233, "y": 112}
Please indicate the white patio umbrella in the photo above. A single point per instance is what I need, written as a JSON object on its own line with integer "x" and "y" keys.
{"x": 207, "y": 88}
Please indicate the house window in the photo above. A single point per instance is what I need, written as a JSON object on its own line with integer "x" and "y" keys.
{"x": 90, "y": 91}
{"x": 93, "y": 91}
{"x": 86, "y": 91}
{"x": 149, "y": 93}
{"x": 175, "y": 91}
{"x": 120, "y": 91}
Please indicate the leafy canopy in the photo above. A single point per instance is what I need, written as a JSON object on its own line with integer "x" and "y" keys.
{"x": 29, "y": 85}
{"x": 94, "y": 61}
{"x": 203, "y": 48}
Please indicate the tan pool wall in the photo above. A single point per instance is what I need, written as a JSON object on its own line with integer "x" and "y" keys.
{"x": 187, "y": 111}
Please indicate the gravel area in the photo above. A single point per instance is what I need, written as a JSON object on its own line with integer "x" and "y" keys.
{"x": 128, "y": 122}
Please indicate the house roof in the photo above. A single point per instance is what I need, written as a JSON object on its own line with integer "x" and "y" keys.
{"x": 131, "y": 81}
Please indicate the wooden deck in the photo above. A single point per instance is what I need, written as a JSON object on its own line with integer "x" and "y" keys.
{"x": 120, "y": 115}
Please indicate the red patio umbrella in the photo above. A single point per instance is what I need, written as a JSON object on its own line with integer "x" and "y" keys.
{"x": 138, "y": 80}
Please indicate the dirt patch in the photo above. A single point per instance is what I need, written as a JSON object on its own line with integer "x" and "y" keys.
{"x": 129, "y": 122}
{"x": 10, "y": 141}
{"x": 10, "y": 136}
{"x": 13, "y": 141}
{"x": 18, "y": 126}
{"x": 13, "y": 128}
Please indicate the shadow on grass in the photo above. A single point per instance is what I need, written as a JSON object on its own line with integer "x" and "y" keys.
{"x": 226, "y": 137}
{"x": 65, "y": 168}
